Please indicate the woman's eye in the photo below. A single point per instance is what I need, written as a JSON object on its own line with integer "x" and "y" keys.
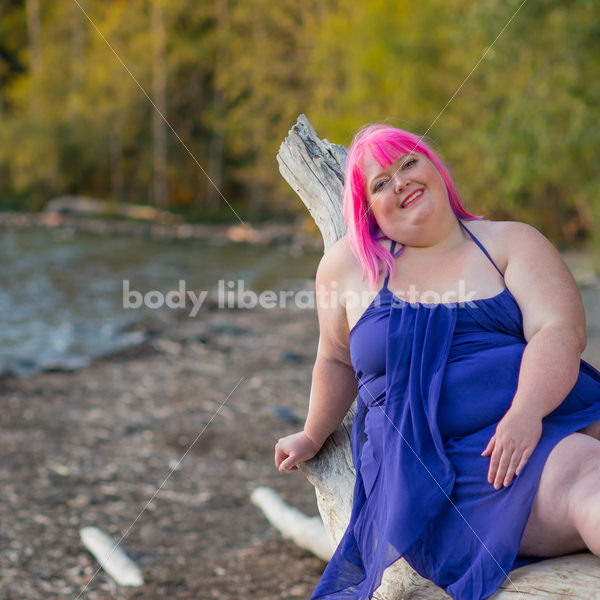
{"x": 409, "y": 162}
{"x": 379, "y": 185}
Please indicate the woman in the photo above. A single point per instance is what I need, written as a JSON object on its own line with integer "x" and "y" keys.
{"x": 476, "y": 440}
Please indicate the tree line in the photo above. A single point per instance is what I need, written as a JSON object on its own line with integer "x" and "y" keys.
{"x": 507, "y": 92}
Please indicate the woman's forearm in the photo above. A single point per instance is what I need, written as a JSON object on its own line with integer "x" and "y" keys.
{"x": 332, "y": 393}
{"x": 549, "y": 369}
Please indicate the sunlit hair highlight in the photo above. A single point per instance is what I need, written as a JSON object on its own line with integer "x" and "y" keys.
{"x": 385, "y": 144}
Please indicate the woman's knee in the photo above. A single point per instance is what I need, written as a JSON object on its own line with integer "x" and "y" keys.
{"x": 584, "y": 502}
{"x": 560, "y": 507}
{"x": 568, "y": 464}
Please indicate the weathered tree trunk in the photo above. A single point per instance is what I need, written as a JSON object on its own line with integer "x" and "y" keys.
{"x": 216, "y": 146}
{"x": 159, "y": 93}
{"x": 34, "y": 39}
{"x": 117, "y": 176}
{"x": 314, "y": 169}
{"x": 77, "y": 63}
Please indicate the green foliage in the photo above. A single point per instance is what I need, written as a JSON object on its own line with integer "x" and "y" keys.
{"x": 516, "y": 120}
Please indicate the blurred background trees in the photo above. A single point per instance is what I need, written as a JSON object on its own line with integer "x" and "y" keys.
{"x": 231, "y": 76}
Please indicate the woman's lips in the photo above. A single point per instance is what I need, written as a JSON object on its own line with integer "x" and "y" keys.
{"x": 412, "y": 198}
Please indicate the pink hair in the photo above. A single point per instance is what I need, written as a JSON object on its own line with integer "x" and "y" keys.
{"x": 385, "y": 144}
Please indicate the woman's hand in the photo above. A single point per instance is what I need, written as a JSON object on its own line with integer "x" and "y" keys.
{"x": 293, "y": 449}
{"x": 517, "y": 434}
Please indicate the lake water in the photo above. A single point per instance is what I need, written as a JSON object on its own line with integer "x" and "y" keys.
{"x": 62, "y": 293}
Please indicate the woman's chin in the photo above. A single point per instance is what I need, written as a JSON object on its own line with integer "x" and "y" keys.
{"x": 418, "y": 212}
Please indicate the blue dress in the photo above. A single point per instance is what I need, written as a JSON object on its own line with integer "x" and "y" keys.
{"x": 433, "y": 382}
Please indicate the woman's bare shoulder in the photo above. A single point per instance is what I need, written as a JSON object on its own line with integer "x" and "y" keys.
{"x": 334, "y": 276}
{"x": 501, "y": 229}
{"x": 501, "y": 238}
{"x": 338, "y": 263}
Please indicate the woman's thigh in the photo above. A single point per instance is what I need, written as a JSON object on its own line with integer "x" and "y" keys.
{"x": 550, "y": 530}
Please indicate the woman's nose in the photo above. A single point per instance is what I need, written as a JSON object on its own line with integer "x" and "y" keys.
{"x": 399, "y": 182}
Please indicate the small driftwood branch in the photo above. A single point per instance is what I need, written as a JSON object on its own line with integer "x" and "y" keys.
{"x": 306, "y": 532}
{"x": 314, "y": 169}
{"x": 111, "y": 557}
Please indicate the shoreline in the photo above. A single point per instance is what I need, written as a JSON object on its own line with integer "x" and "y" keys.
{"x": 300, "y": 233}
{"x": 274, "y": 232}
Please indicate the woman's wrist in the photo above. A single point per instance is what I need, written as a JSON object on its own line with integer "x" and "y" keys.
{"x": 528, "y": 409}
{"x": 313, "y": 440}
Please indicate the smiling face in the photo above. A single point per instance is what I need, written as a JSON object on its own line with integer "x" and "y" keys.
{"x": 408, "y": 198}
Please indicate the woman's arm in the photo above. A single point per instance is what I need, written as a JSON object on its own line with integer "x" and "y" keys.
{"x": 554, "y": 327}
{"x": 332, "y": 393}
{"x": 333, "y": 383}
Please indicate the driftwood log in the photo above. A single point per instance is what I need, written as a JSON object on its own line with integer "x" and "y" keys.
{"x": 306, "y": 532}
{"x": 112, "y": 558}
{"x": 314, "y": 169}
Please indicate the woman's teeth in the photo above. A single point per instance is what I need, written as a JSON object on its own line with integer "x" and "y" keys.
{"x": 412, "y": 199}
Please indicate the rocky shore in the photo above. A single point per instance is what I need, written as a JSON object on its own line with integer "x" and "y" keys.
{"x": 301, "y": 233}
{"x": 194, "y": 413}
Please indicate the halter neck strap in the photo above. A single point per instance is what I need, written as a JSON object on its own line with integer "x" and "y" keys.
{"x": 387, "y": 277}
{"x": 482, "y": 248}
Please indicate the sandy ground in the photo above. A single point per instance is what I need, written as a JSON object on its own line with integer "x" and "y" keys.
{"x": 92, "y": 448}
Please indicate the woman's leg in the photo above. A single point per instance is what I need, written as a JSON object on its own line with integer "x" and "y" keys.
{"x": 565, "y": 516}
{"x": 593, "y": 429}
